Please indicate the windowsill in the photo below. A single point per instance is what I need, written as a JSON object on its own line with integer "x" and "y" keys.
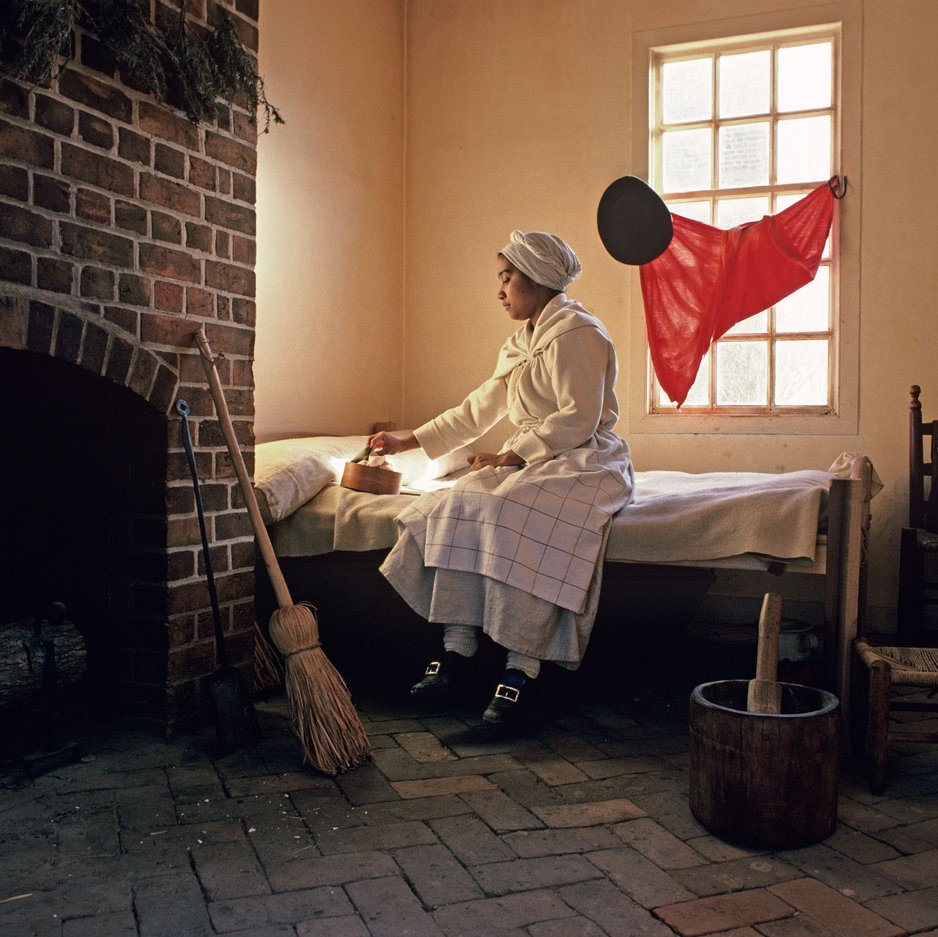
{"x": 833, "y": 424}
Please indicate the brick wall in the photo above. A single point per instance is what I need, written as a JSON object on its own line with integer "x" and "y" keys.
{"x": 123, "y": 226}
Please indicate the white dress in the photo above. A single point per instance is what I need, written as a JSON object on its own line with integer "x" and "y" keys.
{"x": 518, "y": 550}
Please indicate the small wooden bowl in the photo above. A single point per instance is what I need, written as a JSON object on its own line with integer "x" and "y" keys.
{"x": 375, "y": 479}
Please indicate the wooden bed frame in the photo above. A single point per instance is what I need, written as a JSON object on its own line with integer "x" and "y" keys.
{"x": 840, "y": 558}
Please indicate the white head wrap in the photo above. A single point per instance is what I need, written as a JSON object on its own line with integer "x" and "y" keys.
{"x": 544, "y": 257}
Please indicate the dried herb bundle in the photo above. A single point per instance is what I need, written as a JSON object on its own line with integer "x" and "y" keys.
{"x": 237, "y": 75}
{"x": 46, "y": 27}
{"x": 138, "y": 47}
{"x": 194, "y": 72}
{"x": 197, "y": 70}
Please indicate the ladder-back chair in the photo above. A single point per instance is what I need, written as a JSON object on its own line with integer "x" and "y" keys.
{"x": 904, "y": 677}
{"x": 919, "y": 541}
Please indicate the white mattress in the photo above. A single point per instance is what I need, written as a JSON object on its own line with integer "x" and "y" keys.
{"x": 677, "y": 517}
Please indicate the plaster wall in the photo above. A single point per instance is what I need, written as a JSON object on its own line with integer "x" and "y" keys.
{"x": 330, "y": 218}
{"x": 520, "y": 114}
{"x": 457, "y": 121}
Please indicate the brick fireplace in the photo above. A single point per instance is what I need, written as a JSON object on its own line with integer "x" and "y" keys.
{"x": 123, "y": 227}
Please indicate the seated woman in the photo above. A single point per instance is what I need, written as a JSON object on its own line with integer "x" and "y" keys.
{"x": 515, "y": 547}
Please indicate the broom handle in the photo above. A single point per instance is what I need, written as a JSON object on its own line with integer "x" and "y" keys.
{"x": 279, "y": 584}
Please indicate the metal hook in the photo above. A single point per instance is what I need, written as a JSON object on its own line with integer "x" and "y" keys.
{"x": 838, "y": 186}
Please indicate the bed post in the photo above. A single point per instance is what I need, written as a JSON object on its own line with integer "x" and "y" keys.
{"x": 845, "y": 582}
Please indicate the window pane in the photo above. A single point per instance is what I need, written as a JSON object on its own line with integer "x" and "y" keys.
{"x": 744, "y": 154}
{"x": 741, "y": 373}
{"x": 662, "y": 400}
{"x": 741, "y": 132}
{"x": 687, "y": 91}
{"x": 730, "y": 213}
{"x": 754, "y": 325}
{"x": 786, "y": 200}
{"x": 698, "y": 395}
{"x": 804, "y": 149}
{"x": 804, "y": 77}
{"x": 698, "y": 211}
{"x": 735, "y": 211}
{"x": 783, "y": 202}
{"x": 808, "y": 310}
{"x": 801, "y": 373}
{"x": 686, "y": 157}
{"x": 745, "y": 83}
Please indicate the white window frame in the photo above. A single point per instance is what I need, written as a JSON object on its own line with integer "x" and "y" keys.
{"x": 843, "y": 417}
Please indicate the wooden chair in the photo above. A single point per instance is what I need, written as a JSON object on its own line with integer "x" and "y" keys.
{"x": 918, "y": 546}
{"x": 904, "y": 677}
{"x": 899, "y": 678}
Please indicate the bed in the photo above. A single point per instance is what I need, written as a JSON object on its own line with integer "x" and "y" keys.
{"x": 808, "y": 522}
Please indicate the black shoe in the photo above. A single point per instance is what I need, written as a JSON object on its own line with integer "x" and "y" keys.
{"x": 440, "y": 677}
{"x": 508, "y": 703}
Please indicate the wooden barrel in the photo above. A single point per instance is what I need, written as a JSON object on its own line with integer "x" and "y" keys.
{"x": 764, "y": 780}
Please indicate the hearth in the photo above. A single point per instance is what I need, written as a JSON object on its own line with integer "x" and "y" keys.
{"x": 100, "y": 514}
{"x": 84, "y": 475}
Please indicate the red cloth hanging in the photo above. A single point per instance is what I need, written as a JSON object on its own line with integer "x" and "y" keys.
{"x": 709, "y": 279}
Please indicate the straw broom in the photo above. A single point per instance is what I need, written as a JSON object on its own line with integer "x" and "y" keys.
{"x": 327, "y": 726}
{"x": 267, "y": 670}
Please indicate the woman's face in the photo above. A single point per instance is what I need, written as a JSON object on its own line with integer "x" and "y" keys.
{"x": 522, "y": 298}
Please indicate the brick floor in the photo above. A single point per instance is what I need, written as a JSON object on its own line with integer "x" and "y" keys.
{"x": 577, "y": 825}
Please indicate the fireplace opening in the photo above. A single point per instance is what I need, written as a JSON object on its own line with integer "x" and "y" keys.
{"x": 83, "y": 476}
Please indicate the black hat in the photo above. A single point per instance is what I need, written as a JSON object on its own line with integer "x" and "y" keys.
{"x": 634, "y": 223}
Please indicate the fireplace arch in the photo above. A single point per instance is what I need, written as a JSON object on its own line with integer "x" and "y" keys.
{"x": 101, "y": 511}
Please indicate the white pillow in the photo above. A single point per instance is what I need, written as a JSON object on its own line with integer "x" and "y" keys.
{"x": 415, "y": 466}
{"x": 288, "y": 472}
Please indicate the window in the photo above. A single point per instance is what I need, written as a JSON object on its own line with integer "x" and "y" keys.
{"x": 741, "y": 128}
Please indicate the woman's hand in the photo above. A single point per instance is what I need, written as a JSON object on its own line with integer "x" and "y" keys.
{"x": 493, "y": 459}
{"x": 385, "y": 443}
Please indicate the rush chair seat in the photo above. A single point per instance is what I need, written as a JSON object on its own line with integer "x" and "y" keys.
{"x": 895, "y": 674}
{"x": 904, "y": 677}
